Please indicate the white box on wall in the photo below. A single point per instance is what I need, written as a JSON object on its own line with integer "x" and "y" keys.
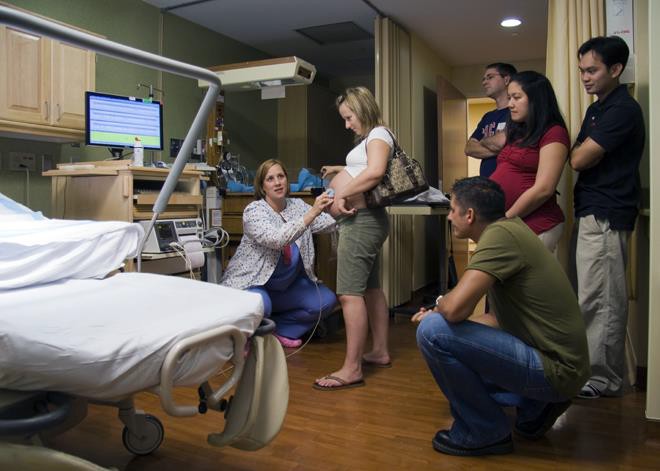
{"x": 619, "y": 21}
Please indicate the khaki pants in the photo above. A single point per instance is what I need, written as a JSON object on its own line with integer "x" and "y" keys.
{"x": 601, "y": 256}
{"x": 360, "y": 239}
{"x": 550, "y": 238}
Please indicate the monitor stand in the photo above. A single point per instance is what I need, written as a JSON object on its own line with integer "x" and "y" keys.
{"x": 117, "y": 152}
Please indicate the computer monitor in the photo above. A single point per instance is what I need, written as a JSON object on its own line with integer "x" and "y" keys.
{"x": 115, "y": 121}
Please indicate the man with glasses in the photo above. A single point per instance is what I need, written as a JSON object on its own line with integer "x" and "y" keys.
{"x": 481, "y": 145}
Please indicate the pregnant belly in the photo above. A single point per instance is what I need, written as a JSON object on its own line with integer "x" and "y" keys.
{"x": 342, "y": 179}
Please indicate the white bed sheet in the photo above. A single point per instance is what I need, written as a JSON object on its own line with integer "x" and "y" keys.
{"x": 34, "y": 251}
{"x": 105, "y": 339}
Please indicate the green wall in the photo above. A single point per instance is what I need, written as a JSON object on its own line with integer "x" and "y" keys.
{"x": 251, "y": 123}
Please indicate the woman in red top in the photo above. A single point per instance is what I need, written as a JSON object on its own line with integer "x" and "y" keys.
{"x": 531, "y": 162}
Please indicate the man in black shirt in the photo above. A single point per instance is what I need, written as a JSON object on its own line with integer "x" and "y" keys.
{"x": 607, "y": 154}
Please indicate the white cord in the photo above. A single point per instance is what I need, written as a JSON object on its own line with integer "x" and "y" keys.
{"x": 27, "y": 187}
{"x": 216, "y": 237}
{"x": 318, "y": 321}
{"x": 179, "y": 249}
{"x": 311, "y": 335}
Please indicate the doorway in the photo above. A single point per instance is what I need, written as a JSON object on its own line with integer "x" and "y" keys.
{"x": 452, "y": 135}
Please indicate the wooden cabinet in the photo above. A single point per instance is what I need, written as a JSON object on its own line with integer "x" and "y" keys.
{"x": 232, "y": 221}
{"x": 111, "y": 190}
{"x": 42, "y": 85}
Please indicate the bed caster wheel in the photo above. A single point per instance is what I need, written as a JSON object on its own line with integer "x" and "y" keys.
{"x": 153, "y": 433}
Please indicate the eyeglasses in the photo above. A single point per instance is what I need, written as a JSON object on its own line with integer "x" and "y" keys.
{"x": 489, "y": 77}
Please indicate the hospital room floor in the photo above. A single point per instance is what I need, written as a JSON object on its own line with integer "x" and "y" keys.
{"x": 387, "y": 425}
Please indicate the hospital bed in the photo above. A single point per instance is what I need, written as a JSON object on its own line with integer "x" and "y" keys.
{"x": 70, "y": 334}
{"x": 67, "y": 327}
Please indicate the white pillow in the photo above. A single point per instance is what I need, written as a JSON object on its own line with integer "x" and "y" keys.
{"x": 10, "y": 209}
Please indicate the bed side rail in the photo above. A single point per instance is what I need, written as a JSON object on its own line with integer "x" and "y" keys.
{"x": 166, "y": 387}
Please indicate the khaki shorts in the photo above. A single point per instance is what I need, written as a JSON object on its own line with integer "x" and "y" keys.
{"x": 360, "y": 239}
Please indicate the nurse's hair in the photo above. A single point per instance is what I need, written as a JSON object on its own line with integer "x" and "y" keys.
{"x": 362, "y": 102}
{"x": 260, "y": 176}
{"x": 481, "y": 194}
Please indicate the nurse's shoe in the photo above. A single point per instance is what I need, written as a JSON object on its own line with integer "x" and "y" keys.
{"x": 287, "y": 342}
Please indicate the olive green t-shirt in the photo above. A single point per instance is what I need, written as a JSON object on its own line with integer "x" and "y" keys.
{"x": 534, "y": 301}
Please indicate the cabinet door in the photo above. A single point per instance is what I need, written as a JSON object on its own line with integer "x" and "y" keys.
{"x": 24, "y": 77}
{"x": 73, "y": 73}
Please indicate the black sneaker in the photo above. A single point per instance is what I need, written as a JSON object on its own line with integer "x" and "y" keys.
{"x": 443, "y": 444}
{"x": 537, "y": 428}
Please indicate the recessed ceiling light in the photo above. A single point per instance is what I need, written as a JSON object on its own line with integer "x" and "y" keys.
{"x": 510, "y": 22}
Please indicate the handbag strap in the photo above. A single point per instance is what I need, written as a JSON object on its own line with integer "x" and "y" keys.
{"x": 398, "y": 152}
{"x": 385, "y": 179}
{"x": 396, "y": 148}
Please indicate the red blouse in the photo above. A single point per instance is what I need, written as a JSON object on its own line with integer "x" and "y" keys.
{"x": 516, "y": 173}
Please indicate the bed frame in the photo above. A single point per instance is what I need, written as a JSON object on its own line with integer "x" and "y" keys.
{"x": 143, "y": 433}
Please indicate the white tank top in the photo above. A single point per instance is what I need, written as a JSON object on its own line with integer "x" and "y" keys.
{"x": 356, "y": 160}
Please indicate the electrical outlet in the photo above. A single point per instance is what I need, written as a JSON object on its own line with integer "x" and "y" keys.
{"x": 20, "y": 161}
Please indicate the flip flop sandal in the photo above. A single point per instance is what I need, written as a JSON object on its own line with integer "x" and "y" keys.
{"x": 376, "y": 364}
{"x": 343, "y": 384}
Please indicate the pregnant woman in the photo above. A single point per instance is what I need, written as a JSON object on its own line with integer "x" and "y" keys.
{"x": 530, "y": 164}
{"x": 362, "y": 232}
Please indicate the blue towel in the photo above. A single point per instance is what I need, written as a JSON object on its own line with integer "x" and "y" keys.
{"x": 306, "y": 180}
{"x": 236, "y": 187}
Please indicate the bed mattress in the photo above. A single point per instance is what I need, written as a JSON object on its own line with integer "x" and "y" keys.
{"x": 34, "y": 251}
{"x": 106, "y": 339}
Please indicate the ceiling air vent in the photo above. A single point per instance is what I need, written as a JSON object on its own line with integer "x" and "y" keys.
{"x": 335, "y": 33}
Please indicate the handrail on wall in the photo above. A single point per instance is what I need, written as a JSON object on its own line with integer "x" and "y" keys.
{"x": 41, "y": 26}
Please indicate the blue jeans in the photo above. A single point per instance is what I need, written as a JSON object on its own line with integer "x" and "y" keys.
{"x": 481, "y": 369}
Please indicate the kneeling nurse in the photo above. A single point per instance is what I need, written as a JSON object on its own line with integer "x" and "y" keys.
{"x": 276, "y": 255}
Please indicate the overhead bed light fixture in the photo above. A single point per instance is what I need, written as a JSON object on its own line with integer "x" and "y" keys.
{"x": 510, "y": 22}
{"x": 255, "y": 75}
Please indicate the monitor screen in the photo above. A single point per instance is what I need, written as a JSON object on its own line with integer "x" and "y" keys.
{"x": 115, "y": 121}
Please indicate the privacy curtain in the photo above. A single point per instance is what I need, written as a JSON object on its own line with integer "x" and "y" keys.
{"x": 394, "y": 96}
{"x": 570, "y": 23}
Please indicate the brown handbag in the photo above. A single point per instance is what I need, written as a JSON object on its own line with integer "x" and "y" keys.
{"x": 403, "y": 179}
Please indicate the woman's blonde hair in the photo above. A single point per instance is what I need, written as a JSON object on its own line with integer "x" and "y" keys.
{"x": 362, "y": 102}
{"x": 260, "y": 176}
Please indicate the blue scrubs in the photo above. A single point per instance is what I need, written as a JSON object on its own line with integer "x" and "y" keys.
{"x": 292, "y": 299}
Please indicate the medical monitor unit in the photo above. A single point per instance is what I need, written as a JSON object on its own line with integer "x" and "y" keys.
{"x": 115, "y": 121}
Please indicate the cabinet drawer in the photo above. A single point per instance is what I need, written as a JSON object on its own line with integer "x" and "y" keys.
{"x": 175, "y": 199}
{"x": 233, "y": 224}
{"x": 236, "y": 202}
